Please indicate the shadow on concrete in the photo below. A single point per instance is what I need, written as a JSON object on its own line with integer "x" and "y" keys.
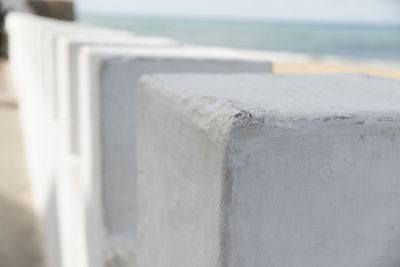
{"x": 19, "y": 238}
{"x": 50, "y": 226}
{"x": 8, "y": 104}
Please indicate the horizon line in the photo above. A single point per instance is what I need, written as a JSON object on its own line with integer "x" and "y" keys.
{"x": 238, "y": 19}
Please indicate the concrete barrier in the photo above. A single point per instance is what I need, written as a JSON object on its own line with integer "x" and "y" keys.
{"x": 67, "y": 74}
{"x": 107, "y": 130}
{"x": 201, "y": 170}
{"x": 49, "y": 103}
{"x": 72, "y": 237}
{"x": 26, "y": 32}
{"x": 49, "y": 36}
{"x": 268, "y": 170}
{"x": 33, "y": 63}
{"x": 46, "y": 51}
{"x": 32, "y": 56}
{"x": 25, "y": 55}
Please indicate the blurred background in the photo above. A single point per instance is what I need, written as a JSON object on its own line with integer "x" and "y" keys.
{"x": 336, "y": 36}
{"x": 333, "y": 35}
{"x": 350, "y": 28}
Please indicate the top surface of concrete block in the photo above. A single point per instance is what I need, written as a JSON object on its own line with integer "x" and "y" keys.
{"x": 338, "y": 96}
{"x": 120, "y": 40}
{"x": 35, "y": 20}
{"x": 21, "y": 16}
{"x": 192, "y": 52}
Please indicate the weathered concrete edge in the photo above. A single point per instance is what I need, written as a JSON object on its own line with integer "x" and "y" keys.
{"x": 201, "y": 110}
{"x": 232, "y": 118}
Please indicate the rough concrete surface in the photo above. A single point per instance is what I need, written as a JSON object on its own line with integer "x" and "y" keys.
{"x": 107, "y": 130}
{"x": 268, "y": 170}
{"x": 19, "y": 238}
{"x": 32, "y": 56}
{"x": 67, "y": 77}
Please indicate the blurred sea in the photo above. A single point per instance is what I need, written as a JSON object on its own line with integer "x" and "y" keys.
{"x": 351, "y": 41}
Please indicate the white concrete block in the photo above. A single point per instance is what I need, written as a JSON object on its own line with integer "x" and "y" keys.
{"x": 67, "y": 75}
{"x": 25, "y": 61}
{"x": 31, "y": 43}
{"x": 49, "y": 101}
{"x": 268, "y": 170}
{"x": 27, "y": 48}
{"x": 108, "y": 129}
{"x": 50, "y": 56}
{"x": 67, "y": 134}
{"x": 50, "y": 62}
{"x": 26, "y": 39}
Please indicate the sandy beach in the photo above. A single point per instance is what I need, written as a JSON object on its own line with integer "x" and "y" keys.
{"x": 380, "y": 70}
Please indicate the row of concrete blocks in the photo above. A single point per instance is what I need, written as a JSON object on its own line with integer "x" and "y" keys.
{"x": 78, "y": 129}
{"x": 215, "y": 168}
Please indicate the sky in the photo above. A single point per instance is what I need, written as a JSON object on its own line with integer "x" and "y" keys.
{"x": 354, "y": 11}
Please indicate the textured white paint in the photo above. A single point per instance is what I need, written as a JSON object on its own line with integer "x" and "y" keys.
{"x": 29, "y": 52}
{"x": 31, "y": 46}
{"x": 72, "y": 234}
{"x": 49, "y": 104}
{"x": 49, "y": 36}
{"x": 24, "y": 33}
{"x": 268, "y": 170}
{"x": 52, "y": 136}
{"x": 67, "y": 48}
{"x": 108, "y": 128}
